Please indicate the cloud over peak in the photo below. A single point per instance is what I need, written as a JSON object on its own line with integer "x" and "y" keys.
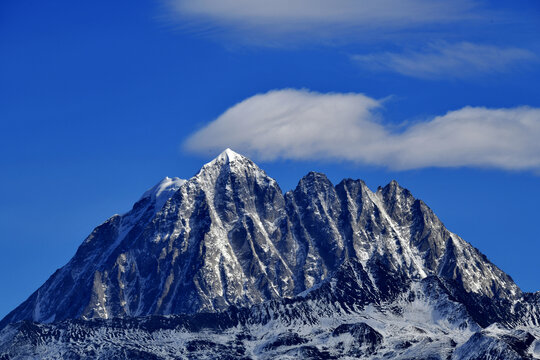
{"x": 306, "y": 125}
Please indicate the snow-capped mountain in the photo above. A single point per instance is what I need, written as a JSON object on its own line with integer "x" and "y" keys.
{"x": 320, "y": 271}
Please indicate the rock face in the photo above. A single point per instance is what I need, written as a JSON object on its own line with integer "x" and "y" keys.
{"x": 229, "y": 242}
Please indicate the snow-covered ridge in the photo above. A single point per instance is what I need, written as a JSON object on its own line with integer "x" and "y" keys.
{"x": 228, "y": 156}
{"x": 163, "y": 191}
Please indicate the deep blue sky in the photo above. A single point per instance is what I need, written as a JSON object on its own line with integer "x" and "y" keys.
{"x": 97, "y": 98}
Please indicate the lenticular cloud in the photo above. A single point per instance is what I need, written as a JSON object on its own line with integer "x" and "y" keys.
{"x": 306, "y": 125}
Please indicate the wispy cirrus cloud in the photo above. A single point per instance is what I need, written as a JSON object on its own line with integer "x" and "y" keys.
{"x": 443, "y": 60}
{"x": 254, "y": 20}
{"x": 306, "y": 125}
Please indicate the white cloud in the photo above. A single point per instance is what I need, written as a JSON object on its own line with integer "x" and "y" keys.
{"x": 316, "y": 18}
{"x": 305, "y": 125}
{"x": 448, "y": 60}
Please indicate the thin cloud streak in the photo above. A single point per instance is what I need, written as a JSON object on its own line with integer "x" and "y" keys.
{"x": 305, "y": 125}
{"x": 461, "y": 60}
{"x": 252, "y": 19}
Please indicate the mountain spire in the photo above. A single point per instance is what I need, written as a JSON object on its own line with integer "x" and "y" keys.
{"x": 229, "y": 155}
{"x": 228, "y": 162}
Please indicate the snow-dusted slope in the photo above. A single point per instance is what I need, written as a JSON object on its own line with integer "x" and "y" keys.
{"x": 229, "y": 237}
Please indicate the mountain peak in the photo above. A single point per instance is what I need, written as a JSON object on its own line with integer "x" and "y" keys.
{"x": 163, "y": 190}
{"x": 227, "y": 164}
{"x": 227, "y": 156}
{"x": 229, "y": 160}
{"x": 315, "y": 181}
{"x": 392, "y": 188}
{"x": 392, "y": 185}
